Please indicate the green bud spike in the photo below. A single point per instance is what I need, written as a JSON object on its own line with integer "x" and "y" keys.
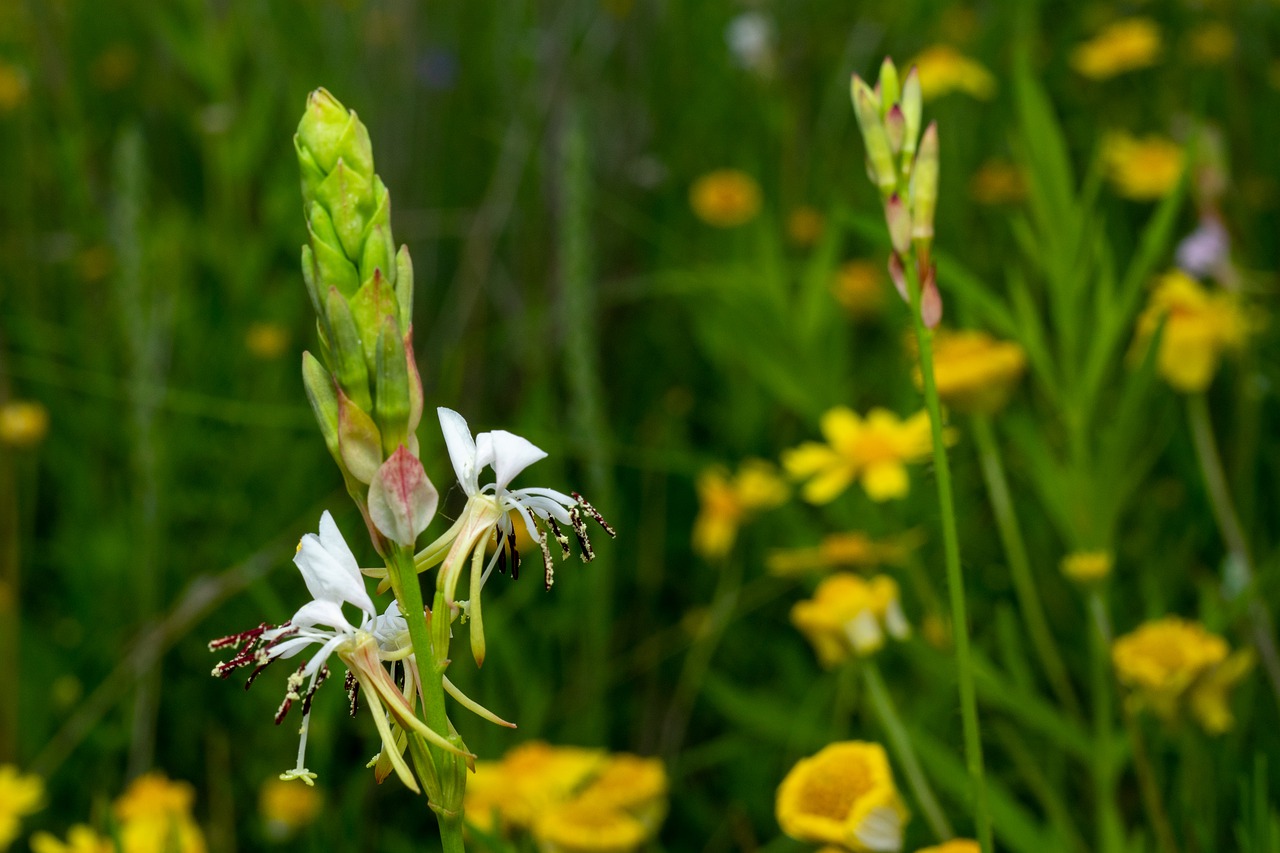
{"x": 912, "y": 110}
{"x": 309, "y": 279}
{"x": 332, "y": 265}
{"x": 312, "y": 174}
{"x": 331, "y": 132}
{"x": 874, "y": 136}
{"x": 348, "y": 196}
{"x": 324, "y": 402}
{"x": 358, "y": 440}
{"x": 348, "y": 355}
{"x": 391, "y": 391}
{"x": 404, "y": 289}
{"x": 889, "y": 89}
{"x": 924, "y": 188}
{"x": 374, "y": 301}
{"x": 378, "y": 255}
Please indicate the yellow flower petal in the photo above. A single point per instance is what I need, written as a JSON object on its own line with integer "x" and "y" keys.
{"x": 885, "y": 481}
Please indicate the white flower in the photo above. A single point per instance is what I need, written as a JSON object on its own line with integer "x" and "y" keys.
{"x": 488, "y": 513}
{"x": 750, "y": 37}
{"x": 333, "y": 578}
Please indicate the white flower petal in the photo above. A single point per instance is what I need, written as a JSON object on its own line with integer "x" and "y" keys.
{"x": 511, "y": 455}
{"x": 462, "y": 449}
{"x": 321, "y": 613}
{"x": 331, "y": 539}
{"x": 327, "y": 579}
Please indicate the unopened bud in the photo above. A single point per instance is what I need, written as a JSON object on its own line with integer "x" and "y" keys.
{"x": 324, "y": 402}
{"x": 348, "y": 358}
{"x": 402, "y": 499}
{"x": 888, "y": 84}
{"x": 898, "y": 218}
{"x": 331, "y": 132}
{"x": 898, "y": 274}
{"x": 895, "y": 127}
{"x": 358, "y": 440}
{"x": 931, "y": 299}
{"x": 391, "y": 388}
{"x": 924, "y": 186}
{"x": 912, "y": 109}
{"x": 866, "y": 106}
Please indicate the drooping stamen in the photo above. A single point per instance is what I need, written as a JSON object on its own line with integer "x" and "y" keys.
{"x": 549, "y": 578}
{"x": 291, "y": 693}
{"x": 560, "y": 537}
{"x": 253, "y": 676}
{"x": 238, "y": 639}
{"x": 580, "y": 530}
{"x": 502, "y": 556}
{"x": 594, "y": 513}
{"x": 515, "y": 554}
{"x": 353, "y": 691}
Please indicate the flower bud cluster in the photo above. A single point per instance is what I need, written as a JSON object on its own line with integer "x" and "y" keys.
{"x": 903, "y": 164}
{"x": 365, "y": 389}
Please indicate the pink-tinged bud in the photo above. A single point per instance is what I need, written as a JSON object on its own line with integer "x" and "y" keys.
{"x": 899, "y": 277}
{"x": 888, "y": 84}
{"x": 912, "y": 103}
{"x": 895, "y": 127}
{"x": 931, "y": 300}
{"x": 402, "y": 499}
{"x": 924, "y": 185}
{"x": 866, "y": 106}
{"x": 898, "y": 219}
{"x": 359, "y": 441}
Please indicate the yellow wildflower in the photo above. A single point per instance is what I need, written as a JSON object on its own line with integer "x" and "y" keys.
{"x": 81, "y": 839}
{"x": 844, "y": 796}
{"x": 727, "y": 501}
{"x": 944, "y": 70}
{"x": 540, "y": 775}
{"x": 1125, "y": 45}
{"x": 1142, "y": 168}
{"x": 23, "y": 423}
{"x": 725, "y": 198}
{"x": 955, "y": 845}
{"x": 19, "y": 796}
{"x": 873, "y": 450}
{"x": 13, "y": 87}
{"x": 975, "y": 372}
{"x": 155, "y": 817}
{"x": 486, "y": 796}
{"x": 839, "y": 550}
{"x": 804, "y": 226}
{"x": 1201, "y": 326}
{"x": 632, "y": 784}
{"x": 1086, "y": 567}
{"x": 1212, "y": 43}
{"x": 850, "y": 616}
{"x": 998, "y": 182}
{"x": 581, "y": 828}
{"x": 1171, "y": 662}
{"x": 859, "y": 287}
{"x": 287, "y": 808}
{"x": 266, "y": 341}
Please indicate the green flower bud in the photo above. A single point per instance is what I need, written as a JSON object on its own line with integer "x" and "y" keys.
{"x": 373, "y": 302}
{"x": 924, "y": 187}
{"x": 378, "y": 255}
{"x": 348, "y": 197}
{"x": 358, "y": 440}
{"x": 888, "y": 83}
{"x": 332, "y": 267}
{"x": 404, "y": 289}
{"x": 880, "y": 166}
{"x": 331, "y": 132}
{"x": 391, "y": 387}
{"x": 348, "y": 360}
{"x": 912, "y": 110}
{"x": 324, "y": 401}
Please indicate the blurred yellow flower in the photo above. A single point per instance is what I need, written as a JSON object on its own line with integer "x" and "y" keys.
{"x": 874, "y": 451}
{"x": 23, "y": 423}
{"x": 569, "y": 798}
{"x": 998, "y": 182}
{"x": 1200, "y": 325}
{"x": 955, "y": 845}
{"x": 844, "y": 796}
{"x": 1142, "y": 168}
{"x": 727, "y": 501}
{"x": 1086, "y": 567}
{"x": 154, "y": 814}
{"x": 850, "y": 616}
{"x": 725, "y": 198}
{"x": 944, "y": 70}
{"x": 286, "y": 808}
{"x": 974, "y": 372}
{"x": 114, "y": 67}
{"x": 266, "y": 341}
{"x": 1125, "y": 45}
{"x": 13, "y": 87}
{"x": 804, "y": 226}
{"x": 80, "y": 839}
{"x": 1171, "y": 663}
{"x": 859, "y": 287}
{"x": 839, "y": 550}
{"x": 19, "y": 796}
{"x": 1212, "y": 43}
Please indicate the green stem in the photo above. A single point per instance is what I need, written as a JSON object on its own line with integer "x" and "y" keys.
{"x": 1015, "y": 550}
{"x": 431, "y": 651}
{"x": 1224, "y": 512}
{"x": 955, "y": 574}
{"x": 1110, "y": 833}
{"x": 1152, "y": 801}
{"x": 900, "y": 740}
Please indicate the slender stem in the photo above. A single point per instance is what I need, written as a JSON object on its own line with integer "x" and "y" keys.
{"x": 955, "y": 574}
{"x": 887, "y": 713}
{"x": 1224, "y": 512}
{"x": 1110, "y": 836}
{"x": 1152, "y": 800}
{"x": 431, "y": 654}
{"x": 1015, "y": 550}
